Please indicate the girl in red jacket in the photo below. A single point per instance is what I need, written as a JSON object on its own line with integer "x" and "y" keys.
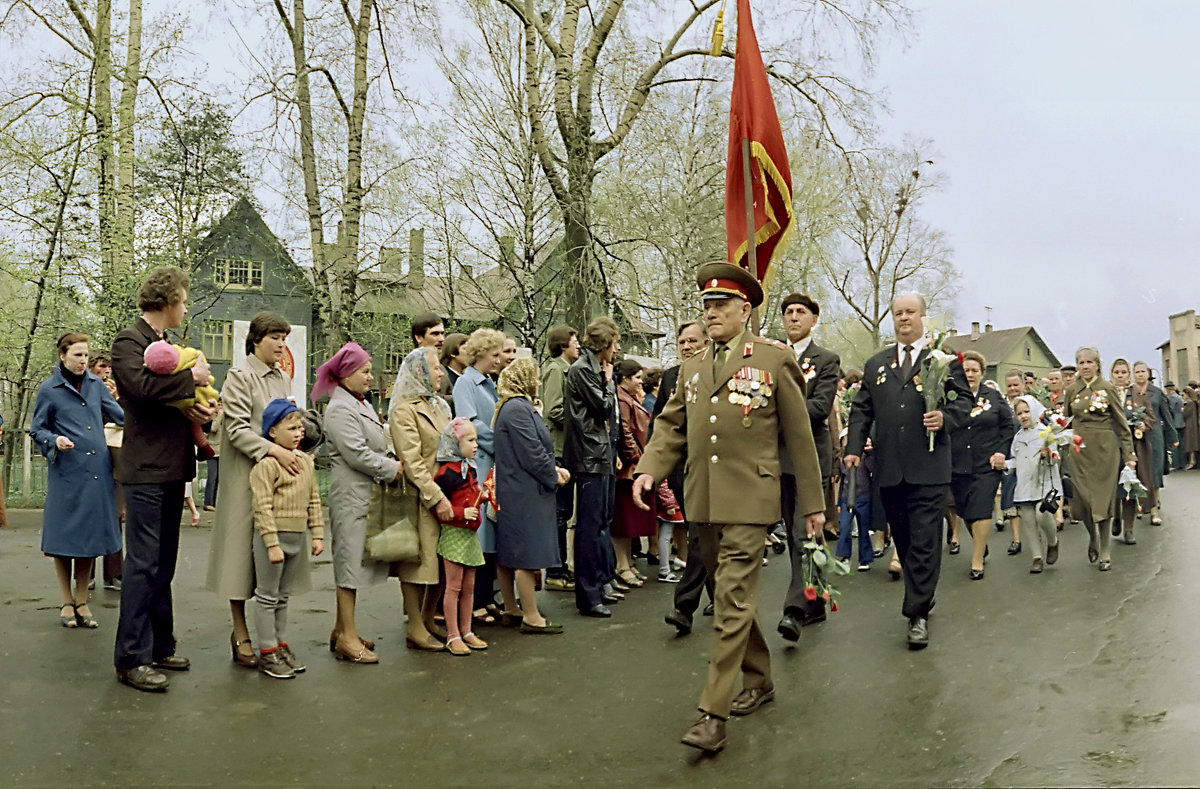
{"x": 458, "y": 545}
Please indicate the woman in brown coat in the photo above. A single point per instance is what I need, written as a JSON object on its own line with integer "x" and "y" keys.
{"x": 630, "y": 521}
{"x": 1098, "y": 417}
{"x": 418, "y": 416}
{"x": 1191, "y": 422}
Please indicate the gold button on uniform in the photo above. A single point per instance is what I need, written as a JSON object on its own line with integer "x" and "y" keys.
{"x": 714, "y": 458}
{"x": 712, "y": 418}
{"x": 714, "y": 400}
{"x": 713, "y": 439}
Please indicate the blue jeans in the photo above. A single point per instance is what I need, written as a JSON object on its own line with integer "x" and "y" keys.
{"x": 862, "y": 513}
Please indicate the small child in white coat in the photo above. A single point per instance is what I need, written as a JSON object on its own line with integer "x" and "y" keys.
{"x": 1037, "y": 472}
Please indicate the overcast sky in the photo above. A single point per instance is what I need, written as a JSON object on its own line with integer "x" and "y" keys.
{"x": 1070, "y": 133}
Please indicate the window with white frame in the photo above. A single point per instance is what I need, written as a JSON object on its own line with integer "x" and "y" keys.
{"x": 218, "y": 340}
{"x": 239, "y": 273}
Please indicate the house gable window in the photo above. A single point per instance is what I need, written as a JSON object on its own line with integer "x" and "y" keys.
{"x": 218, "y": 340}
{"x": 238, "y": 273}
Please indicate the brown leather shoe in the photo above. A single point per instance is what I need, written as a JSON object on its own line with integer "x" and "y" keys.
{"x": 707, "y": 734}
{"x": 751, "y": 699}
{"x": 144, "y": 678}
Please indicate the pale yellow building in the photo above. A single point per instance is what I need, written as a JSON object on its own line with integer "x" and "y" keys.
{"x": 1181, "y": 351}
{"x": 1021, "y": 349}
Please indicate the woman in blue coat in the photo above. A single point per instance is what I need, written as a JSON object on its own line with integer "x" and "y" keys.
{"x": 475, "y": 400}
{"x": 79, "y": 522}
{"x": 527, "y": 480}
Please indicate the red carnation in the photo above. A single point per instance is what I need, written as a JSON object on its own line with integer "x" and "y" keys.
{"x": 825, "y": 595}
{"x": 810, "y": 593}
{"x": 833, "y": 607}
{"x": 960, "y": 357}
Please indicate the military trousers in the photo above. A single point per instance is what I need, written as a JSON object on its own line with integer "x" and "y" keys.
{"x": 733, "y": 557}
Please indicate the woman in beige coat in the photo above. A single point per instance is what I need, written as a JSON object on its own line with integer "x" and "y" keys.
{"x": 246, "y": 391}
{"x": 418, "y": 416}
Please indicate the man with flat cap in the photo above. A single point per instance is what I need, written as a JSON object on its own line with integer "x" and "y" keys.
{"x": 729, "y": 408}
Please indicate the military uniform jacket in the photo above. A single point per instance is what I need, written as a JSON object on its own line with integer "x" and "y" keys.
{"x": 727, "y": 427}
{"x": 893, "y": 406}
{"x": 988, "y": 429}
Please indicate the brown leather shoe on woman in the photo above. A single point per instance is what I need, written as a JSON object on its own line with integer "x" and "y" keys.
{"x": 363, "y": 655}
{"x": 241, "y": 658}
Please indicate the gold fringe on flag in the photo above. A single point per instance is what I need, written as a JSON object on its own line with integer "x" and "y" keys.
{"x": 718, "y": 37}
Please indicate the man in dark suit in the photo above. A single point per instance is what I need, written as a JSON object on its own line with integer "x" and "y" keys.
{"x": 820, "y": 369}
{"x": 913, "y": 480}
{"x": 690, "y": 340}
{"x": 157, "y": 458}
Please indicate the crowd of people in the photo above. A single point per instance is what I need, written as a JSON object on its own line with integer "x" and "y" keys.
{"x": 486, "y": 478}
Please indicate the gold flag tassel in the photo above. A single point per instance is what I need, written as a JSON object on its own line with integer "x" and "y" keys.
{"x": 718, "y": 38}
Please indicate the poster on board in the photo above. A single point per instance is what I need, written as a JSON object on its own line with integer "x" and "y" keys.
{"x": 295, "y": 358}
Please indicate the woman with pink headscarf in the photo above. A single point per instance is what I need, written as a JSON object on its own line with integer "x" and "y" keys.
{"x": 358, "y": 451}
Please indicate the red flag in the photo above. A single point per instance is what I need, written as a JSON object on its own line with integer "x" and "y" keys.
{"x": 752, "y": 117}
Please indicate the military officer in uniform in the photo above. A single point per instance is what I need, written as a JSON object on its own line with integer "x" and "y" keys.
{"x": 729, "y": 407}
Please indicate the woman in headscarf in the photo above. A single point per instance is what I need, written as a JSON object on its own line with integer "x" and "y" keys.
{"x": 526, "y": 481}
{"x": 418, "y": 416}
{"x": 359, "y": 457}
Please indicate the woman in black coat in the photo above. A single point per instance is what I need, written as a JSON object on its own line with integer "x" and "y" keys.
{"x": 979, "y": 448}
{"x": 526, "y": 482}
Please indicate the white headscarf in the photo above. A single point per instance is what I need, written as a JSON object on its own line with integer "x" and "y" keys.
{"x": 1036, "y": 409}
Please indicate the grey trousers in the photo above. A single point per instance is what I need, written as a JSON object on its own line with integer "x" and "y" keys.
{"x": 1037, "y": 528}
{"x": 272, "y": 587}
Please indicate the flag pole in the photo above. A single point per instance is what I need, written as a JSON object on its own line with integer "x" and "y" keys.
{"x": 751, "y": 252}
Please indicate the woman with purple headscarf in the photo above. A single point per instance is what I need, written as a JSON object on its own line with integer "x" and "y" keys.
{"x": 358, "y": 451}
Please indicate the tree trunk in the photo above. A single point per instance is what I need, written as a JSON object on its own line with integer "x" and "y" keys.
{"x": 352, "y": 200}
{"x": 105, "y": 165}
{"x": 123, "y": 230}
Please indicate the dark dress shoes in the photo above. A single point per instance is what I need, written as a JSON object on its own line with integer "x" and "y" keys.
{"x": 144, "y": 678}
{"x": 708, "y": 609}
{"x": 172, "y": 663}
{"x": 707, "y": 734}
{"x": 789, "y": 628}
{"x": 598, "y": 611}
{"x": 813, "y": 619}
{"x": 610, "y": 599}
{"x": 918, "y": 633}
{"x": 680, "y": 621}
{"x": 751, "y": 699}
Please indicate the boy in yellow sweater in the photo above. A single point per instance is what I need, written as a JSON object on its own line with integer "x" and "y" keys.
{"x": 285, "y": 506}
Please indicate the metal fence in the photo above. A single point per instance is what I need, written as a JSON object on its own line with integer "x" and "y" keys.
{"x": 27, "y": 481}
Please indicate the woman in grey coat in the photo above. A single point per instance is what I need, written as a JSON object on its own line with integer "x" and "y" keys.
{"x": 358, "y": 451}
{"x": 246, "y": 391}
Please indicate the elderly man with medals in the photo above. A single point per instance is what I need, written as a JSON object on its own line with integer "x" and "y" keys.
{"x": 729, "y": 408}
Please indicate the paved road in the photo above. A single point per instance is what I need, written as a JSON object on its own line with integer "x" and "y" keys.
{"x": 1069, "y": 678}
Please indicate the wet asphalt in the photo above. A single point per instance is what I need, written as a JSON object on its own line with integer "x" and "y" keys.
{"x": 1068, "y": 678}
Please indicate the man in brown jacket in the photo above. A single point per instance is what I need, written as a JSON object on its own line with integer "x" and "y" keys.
{"x": 157, "y": 458}
{"x": 730, "y": 406}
